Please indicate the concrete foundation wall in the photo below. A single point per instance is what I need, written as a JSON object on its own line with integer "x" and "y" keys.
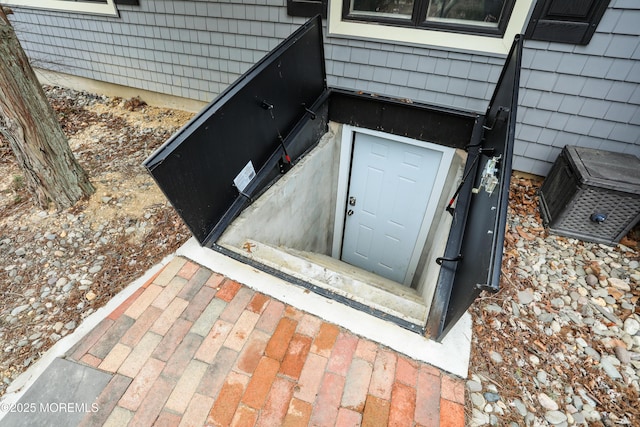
{"x": 298, "y": 210}
{"x": 428, "y": 270}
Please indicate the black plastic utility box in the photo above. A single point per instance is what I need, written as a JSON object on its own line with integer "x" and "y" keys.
{"x": 592, "y": 195}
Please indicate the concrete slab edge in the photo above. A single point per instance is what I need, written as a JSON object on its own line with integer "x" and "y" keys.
{"x": 21, "y": 384}
{"x": 452, "y": 355}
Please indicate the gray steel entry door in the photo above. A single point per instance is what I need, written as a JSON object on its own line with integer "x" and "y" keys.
{"x": 389, "y": 189}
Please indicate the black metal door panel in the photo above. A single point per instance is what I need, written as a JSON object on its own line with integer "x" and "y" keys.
{"x": 473, "y": 255}
{"x": 249, "y": 121}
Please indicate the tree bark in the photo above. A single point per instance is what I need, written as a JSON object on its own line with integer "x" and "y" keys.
{"x": 28, "y": 122}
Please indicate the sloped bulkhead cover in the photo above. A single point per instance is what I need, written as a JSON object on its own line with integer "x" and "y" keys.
{"x": 477, "y": 234}
{"x": 249, "y": 122}
{"x": 258, "y": 118}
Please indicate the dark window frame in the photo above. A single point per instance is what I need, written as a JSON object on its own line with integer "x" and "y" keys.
{"x": 419, "y": 20}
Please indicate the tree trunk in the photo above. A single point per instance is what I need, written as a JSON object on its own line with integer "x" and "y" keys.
{"x": 28, "y": 122}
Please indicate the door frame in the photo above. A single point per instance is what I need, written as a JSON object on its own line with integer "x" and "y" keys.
{"x": 347, "y": 142}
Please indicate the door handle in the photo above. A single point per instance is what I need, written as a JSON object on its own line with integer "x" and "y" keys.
{"x": 350, "y": 212}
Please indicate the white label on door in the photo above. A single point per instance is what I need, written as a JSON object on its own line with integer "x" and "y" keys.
{"x": 244, "y": 177}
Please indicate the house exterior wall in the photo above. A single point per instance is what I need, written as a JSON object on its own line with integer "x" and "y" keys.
{"x": 582, "y": 95}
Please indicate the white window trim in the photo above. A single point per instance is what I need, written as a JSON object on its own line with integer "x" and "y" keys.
{"x": 431, "y": 38}
{"x": 68, "y": 6}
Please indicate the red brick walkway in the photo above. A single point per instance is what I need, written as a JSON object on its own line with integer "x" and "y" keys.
{"x": 194, "y": 348}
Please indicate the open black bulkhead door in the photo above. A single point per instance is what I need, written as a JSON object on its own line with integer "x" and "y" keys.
{"x": 244, "y": 139}
{"x": 473, "y": 255}
{"x": 238, "y": 145}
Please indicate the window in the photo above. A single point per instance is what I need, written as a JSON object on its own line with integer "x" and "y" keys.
{"x": 471, "y": 16}
{"x": 101, "y": 7}
{"x": 485, "y": 26}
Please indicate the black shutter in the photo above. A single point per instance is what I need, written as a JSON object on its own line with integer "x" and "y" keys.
{"x": 128, "y": 2}
{"x": 307, "y": 8}
{"x": 565, "y": 21}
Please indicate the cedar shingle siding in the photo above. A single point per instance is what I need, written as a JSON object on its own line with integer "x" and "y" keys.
{"x": 571, "y": 94}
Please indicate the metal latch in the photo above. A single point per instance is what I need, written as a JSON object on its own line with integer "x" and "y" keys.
{"x": 489, "y": 176}
{"x": 487, "y": 287}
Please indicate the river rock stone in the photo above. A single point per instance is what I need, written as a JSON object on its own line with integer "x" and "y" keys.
{"x": 525, "y": 297}
{"x": 555, "y": 417}
{"x": 631, "y": 326}
{"x": 619, "y": 284}
{"x": 622, "y": 354}
{"x": 547, "y": 402}
{"x": 474, "y": 386}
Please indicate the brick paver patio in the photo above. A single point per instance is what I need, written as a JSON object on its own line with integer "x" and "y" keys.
{"x": 193, "y": 348}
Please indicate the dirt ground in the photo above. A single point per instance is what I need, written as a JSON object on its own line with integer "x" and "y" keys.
{"x": 56, "y": 268}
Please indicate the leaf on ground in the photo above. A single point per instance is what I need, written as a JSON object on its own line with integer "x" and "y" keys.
{"x": 524, "y": 234}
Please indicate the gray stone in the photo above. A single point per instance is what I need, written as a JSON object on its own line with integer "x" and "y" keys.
{"x": 608, "y": 314}
{"x": 557, "y": 302}
{"x": 619, "y": 284}
{"x": 577, "y": 402}
{"x": 609, "y": 369}
{"x": 478, "y": 400}
{"x": 19, "y": 309}
{"x": 547, "y": 402}
{"x": 493, "y": 308}
{"x": 591, "y": 279}
{"x": 491, "y": 397}
{"x": 542, "y": 377}
{"x": 478, "y": 418}
{"x": 70, "y": 325}
{"x": 555, "y": 417}
{"x": 592, "y": 415}
{"x": 58, "y": 326}
{"x": 546, "y": 317}
{"x": 95, "y": 269}
{"x": 474, "y": 386}
{"x": 525, "y": 297}
{"x": 520, "y": 407}
{"x": 622, "y": 354}
{"x": 631, "y": 326}
{"x": 21, "y": 252}
{"x": 496, "y": 357}
{"x": 515, "y": 309}
{"x": 578, "y": 418}
{"x": 574, "y": 295}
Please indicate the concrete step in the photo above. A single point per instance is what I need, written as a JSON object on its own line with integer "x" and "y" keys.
{"x": 343, "y": 279}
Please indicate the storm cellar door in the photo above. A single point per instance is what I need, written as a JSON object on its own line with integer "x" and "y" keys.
{"x": 392, "y": 194}
{"x": 249, "y": 148}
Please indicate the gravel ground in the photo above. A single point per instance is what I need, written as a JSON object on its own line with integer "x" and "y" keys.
{"x": 56, "y": 268}
{"x": 558, "y": 345}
